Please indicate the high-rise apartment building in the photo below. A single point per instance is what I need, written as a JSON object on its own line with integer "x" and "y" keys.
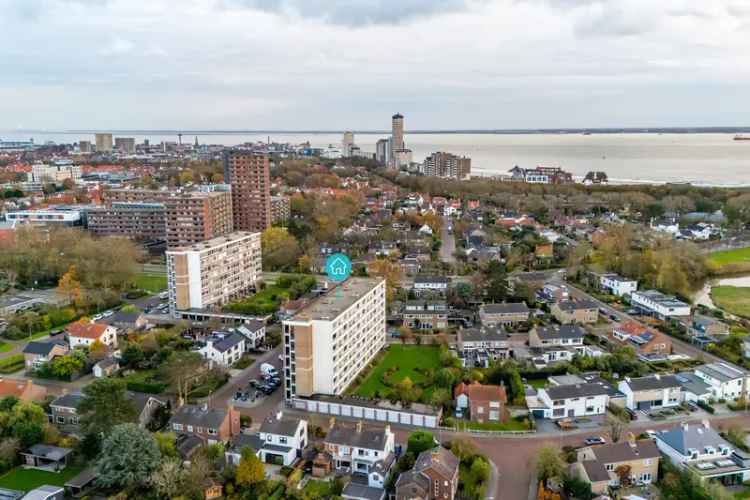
{"x": 397, "y": 132}
{"x": 137, "y": 220}
{"x": 213, "y": 272}
{"x": 190, "y": 216}
{"x": 280, "y": 209}
{"x": 43, "y": 173}
{"x": 248, "y": 174}
{"x": 125, "y": 144}
{"x": 347, "y": 143}
{"x": 103, "y": 143}
{"x": 329, "y": 342}
{"x": 84, "y": 146}
{"x": 383, "y": 151}
{"x": 447, "y": 165}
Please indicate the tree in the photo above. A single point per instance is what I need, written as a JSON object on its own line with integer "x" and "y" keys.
{"x": 577, "y": 487}
{"x": 183, "y": 369}
{"x": 65, "y": 366}
{"x": 250, "y": 470}
{"x": 616, "y": 427}
{"x": 97, "y": 350}
{"x": 280, "y": 249}
{"x": 168, "y": 479}
{"x": 105, "y": 404}
{"x": 166, "y": 442}
{"x": 623, "y": 473}
{"x": 388, "y": 270}
{"x": 128, "y": 459}
{"x": 9, "y": 448}
{"x": 70, "y": 287}
{"x": 26, "y": 423}
{"x": 549, "y": 465}
{"x": 420, "y": 441}
{"x": 440, "y": 396}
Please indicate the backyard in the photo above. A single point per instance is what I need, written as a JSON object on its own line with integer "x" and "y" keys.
{"x": 733, "y": 299}
{"x": 151, "y": 283}
{"x": 401, "y": 361}
{"x": 27, "y": 479}
{"x": 12, "y": 363}
{"x": 730, "y": 261}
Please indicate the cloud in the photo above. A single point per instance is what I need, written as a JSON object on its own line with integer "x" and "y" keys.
{"x": 117, "y": 47}
{"x": 355, "y": 13}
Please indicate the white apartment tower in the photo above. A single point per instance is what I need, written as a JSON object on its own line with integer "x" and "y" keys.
{"x": 329, "y": 342}
{"x": 347, "y": 143}
{"x": 213, "y": 272}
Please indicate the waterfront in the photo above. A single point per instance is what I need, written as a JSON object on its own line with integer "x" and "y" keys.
{"x": 703, "y": 159}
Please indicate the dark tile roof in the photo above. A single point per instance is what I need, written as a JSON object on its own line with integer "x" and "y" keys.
{"x": 509, "y": 308}
{"x": 595, "y": 471}
{"x": 371, "y": 438}
{"x": 575, "y": 391}
{"x": 284, "y": 426}
{"x": 228, "y": 342}
{"x": 623, "y": 451}
{"x": 197, "y": 416}
{"x": 432, "y": 279}
{"x": 71, "y": 400}
{"x": 42, "y": 348}
{"x": 576, "y": 305}
{"x": 653, "y": 382}
{"x": 438, "y": 459}
{"x": 483, "y": 334}
{"x": 242, "y": 440}
{"x": 123, "y": 317}
{"x": 140, "y": 400}
{"x": 412, "y": 484}
{"x": 561, "y": 332}
{"x": 362, "y": 492}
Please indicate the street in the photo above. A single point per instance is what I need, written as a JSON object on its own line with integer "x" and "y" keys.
{"x": 448, "y": 246}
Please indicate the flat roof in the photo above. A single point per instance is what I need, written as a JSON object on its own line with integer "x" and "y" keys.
{"x": 337, "y": 299}
{"x": 213, "y": 242}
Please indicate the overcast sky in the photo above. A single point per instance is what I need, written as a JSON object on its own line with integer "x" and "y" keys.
{"x": 339, "y": 64}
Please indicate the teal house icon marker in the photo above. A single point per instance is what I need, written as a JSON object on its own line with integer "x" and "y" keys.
{"x": 338, "y": 267}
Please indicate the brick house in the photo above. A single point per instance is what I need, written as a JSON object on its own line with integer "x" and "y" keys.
{"x": 575, "y": 311}
{"x": 37, "y": 353}
{"x": 486, "y": 403}
{"x": 25, "y": 390}
{"x": 211, "y": 425}
{"x": 646, "y": 341}
{"x": 503, "y": 314}
{"x": 433, "y": 477}
{"x": 603, "y": 466}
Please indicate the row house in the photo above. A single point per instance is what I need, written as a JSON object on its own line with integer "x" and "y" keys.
{"x": 210, "y": 425}
{"x": 503, "y": 314}
{"x": 425, "y": 314}
{"x": 575, "y": 311}
{"x": 653, "y": 391}
{"x": 363, "y": 451}
{"x": 725, "y": 380}
{"x": 603, "y": 466}
{"x": 280, "y": 440}
{"x": 571, "y": 401}
{"x": 659, "y": 305}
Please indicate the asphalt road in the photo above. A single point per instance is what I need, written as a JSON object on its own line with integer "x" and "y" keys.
{"x": 448, "y": 246}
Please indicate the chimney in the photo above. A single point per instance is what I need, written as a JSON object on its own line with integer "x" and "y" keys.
{"x": 359, "y": 426}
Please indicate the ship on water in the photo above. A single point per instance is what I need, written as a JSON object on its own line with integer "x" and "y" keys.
{"x": 741, "y": 138}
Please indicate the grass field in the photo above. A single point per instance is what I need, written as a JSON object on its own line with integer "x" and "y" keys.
{"x": 5, "y": 347}
{"x": 28, "y": 479}
{"x": 407, "y": 358}
{"x": 317, "y": 489}
{"x": 730, "y": 261}
{"x": 513, "y": 424}
{"x": 12, "y": 363}
{"x": 537, "y": 383}
{"x": 151, "y": 282}
{"x": 733, "y": 299}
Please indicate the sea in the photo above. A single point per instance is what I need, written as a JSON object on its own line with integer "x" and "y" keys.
{"x": 706, "y": 159}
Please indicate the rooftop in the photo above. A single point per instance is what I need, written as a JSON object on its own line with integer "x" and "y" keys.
{"x": 721, "y": 371}
{"x": 653, "y": 382}
{"x": 509, "y": 308}
{"x": 561, "y": 332}
{"x": 337, "y": 300}
{"x": 280, "y": 424}
{"x": 576, "y": 391}
{"x": 684, "y": 437}
{"x": 213, "y": 242}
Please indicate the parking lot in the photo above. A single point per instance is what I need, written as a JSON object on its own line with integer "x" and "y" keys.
{"x": 258, "y": 389}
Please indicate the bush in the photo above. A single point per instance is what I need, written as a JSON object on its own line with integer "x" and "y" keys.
{"x": 12, "y": 364}
{"x": 710, "y": 409}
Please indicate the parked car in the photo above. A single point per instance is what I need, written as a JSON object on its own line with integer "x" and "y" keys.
{"x": 254, "y": 383}
{"x": 651, "y": 433}
{"x": 592, "y": 440}
{"x": 692, "y": 406}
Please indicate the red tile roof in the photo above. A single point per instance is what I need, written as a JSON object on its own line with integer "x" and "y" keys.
{"x": 480, "y": 392}
{"x": 86, "y": 329}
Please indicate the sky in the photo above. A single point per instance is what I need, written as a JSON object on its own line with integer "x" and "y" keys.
{"x": 351, "y": 64}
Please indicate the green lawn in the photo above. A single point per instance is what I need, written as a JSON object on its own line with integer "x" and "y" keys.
{"x": 151, "y": 282}
{"x": 407, "y": 358}
{"x": 12, "y": 363}
{"x": 28, "y": 479}
{"x": 730, "y": 261}
{"x": 5, "y": 347}
{"x": 742, "y": 494}
{"x": 537, "y": 383}
{"x": 733, "y": 299}
{"x": 317, "y": 489}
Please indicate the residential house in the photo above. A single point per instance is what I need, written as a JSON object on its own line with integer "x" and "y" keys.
{"x": 480, "y": 345}
{"x": 570, "y": 401}
{"x": 617, "y": 285}
{"x": 126, "y": 321}
{"x": 655, "y": 303}
{"x": 700, "y": 449}
{"x": 431, "y": 284}
{"x": 694, "y": 388}
{"x": 364, "y": 451}
{"x": 83, "y": 333}
{"x": 433, "y": 477}
{"x": 425, "y": 314}
{"x": 551, "y": 293}
{"x": 106, "y": 367}
{"x": 485, "y": 403}
{"x": 280, "y": 440}
{"x": 358, "y": 491}
{"x": 705, "y": 325}
{"x": 650, "y": 345}
{"x": 653, "y": 391}
{"x": 46, "y": 492}
{"x": 211, "y": 425}
{"x": 224, "y": 349}
{"x": 36, "y": 353}
{"x": 254, "y": 332}
{"x": 605, "y": 466}
{"x": 25, "y": 390}
{"x": 726, "y": 381}
{"x": 238, "y": 442}
{"x": 64, "y": 410}
{"x": 503, "y": 314}
{"x": 575, "y": 311}
{"x": 563, "y": 335}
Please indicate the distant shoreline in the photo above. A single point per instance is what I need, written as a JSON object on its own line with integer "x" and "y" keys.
{"x": 561, "y": 131}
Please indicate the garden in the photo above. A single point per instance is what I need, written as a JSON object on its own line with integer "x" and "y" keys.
{"x": 270, "y": 297}
{"x": 410, "y": 373}
{"x": 732, "y": 299}
{"x": 27, "y": 479}
{"x": 732, "y": 261}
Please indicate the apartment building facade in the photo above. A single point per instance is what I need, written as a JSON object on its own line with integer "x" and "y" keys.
{"x": 248, "y": 174}
{"x": 213, "y": 272}
{"x": 280, "y": 209}
{"x": 447, "y": 165}
{"x": 135, "y": 220}
{"x": 333, "y": 338}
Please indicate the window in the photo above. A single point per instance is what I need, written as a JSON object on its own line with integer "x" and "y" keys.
{"x": 190, "y": 428}
{"x": 610, "y": 467}
{"x": 212, "y": 432}
{"x": 177, "y": 427}
{"x": 282, "y": 439}
{"x": 646, "y": 477}
{"x": 60, "y": 420}
{"x": 647, "y": 461}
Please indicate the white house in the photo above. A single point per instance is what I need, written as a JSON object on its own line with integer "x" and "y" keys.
{"x": 362, "y": 451}
{"x": 283, "y": 439}
{"x": 83, "y": 333}
{"x": 702, "y": 450}
{"x": 573, "y": 400}
{"x": 658, "y": 304}
{"x": 617, "y": 285}
{"x": 254, "y": 332}
{"x": 654, "y": 391}
{"x": 223, "y": 348}
{"x": 725, "y": 381}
